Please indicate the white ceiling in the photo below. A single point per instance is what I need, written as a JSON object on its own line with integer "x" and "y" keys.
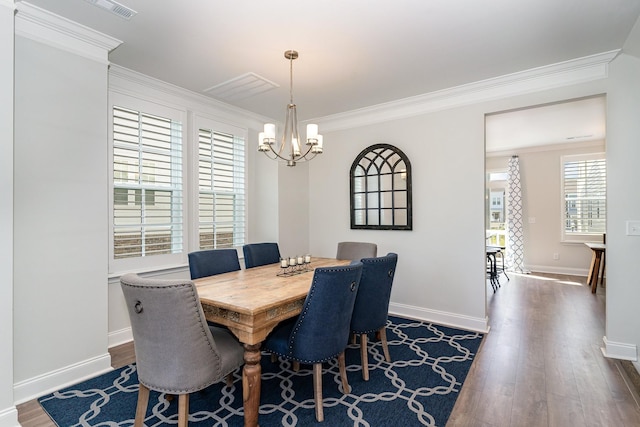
{"x": 560, "y": 123}
{"x": 353, "y": 53}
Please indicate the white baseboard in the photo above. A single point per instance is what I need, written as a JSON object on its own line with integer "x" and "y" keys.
{"x": 558, "y": 270}
{"x": 49, "y": 382}
{"x": 620, "y": 350}
{"x": 120, "y": 337}
{"x": 9, "y": 417}
{"x": 476, "y": 324}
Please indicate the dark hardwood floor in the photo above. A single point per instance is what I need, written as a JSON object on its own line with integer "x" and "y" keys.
{"x": 540, "y": 365}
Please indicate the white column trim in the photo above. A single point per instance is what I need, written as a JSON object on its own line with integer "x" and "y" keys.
{"x": 60, "y": 378}
{"x": 476, "y": 324}
{"x": 619, "y": 350}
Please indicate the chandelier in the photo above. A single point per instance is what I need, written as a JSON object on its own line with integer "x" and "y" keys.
{"x": 289, "y": 149}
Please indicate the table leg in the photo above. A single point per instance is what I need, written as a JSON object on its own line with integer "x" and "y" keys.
{"x": 595, "y": 271}
{"x": 251, "y": 373}
{"x": 603, "y": 259}
{"x": 593, "y": 264}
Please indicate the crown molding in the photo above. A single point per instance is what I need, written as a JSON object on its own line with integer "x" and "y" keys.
{"x": 126, "y": 81}
{"x": 45, "y": 27}
{"x": 8, "y": 3}
{"x": 565, "y": 73}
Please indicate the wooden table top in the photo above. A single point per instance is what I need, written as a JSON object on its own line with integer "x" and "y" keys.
{"x": 596, "y": 246}
{"x": 252, "y": 301}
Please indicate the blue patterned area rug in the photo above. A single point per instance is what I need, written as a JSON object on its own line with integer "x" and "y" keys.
{"x": 419, "y": 387}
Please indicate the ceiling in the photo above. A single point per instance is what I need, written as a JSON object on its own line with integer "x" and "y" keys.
{"x": 354, "y": 53}
{"x": 561, "y": 123}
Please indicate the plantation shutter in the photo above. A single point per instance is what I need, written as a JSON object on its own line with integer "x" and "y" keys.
{"x": 584, "y": 186}
{"x": 221, "y": 183}
{"x": 147, "y": 184}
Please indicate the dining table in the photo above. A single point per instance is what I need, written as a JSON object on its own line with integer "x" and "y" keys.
{"x": 596, "y": 270}
{"x": 251, "y": 302}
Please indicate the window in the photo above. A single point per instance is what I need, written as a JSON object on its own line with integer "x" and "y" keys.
{"x": 584, "y": 196}
{"x": 221, "y": 183}
{"x": 147, "y": 185}
{"x": 381, "y": 189}
{"x": 496, "y": 208}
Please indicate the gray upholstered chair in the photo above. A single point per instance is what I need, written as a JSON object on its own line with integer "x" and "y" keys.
{"x": 355, "y": 251}
{"x": 176, "y": 351}
{"x": 321, "y": 331}
{"x": 257, "y": 254}
{"x": 213, "y": 261}
{"x": 371, "y": 309}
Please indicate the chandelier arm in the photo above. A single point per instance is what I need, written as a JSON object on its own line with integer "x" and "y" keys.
{"x": 302, "y": 158}
{"x": 290, "y": 147}
{"x": 277, "y": 154}
{"x": 306, "y": 153}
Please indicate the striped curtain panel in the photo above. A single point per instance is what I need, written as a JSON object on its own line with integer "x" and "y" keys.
{"x": 515, "y": 237}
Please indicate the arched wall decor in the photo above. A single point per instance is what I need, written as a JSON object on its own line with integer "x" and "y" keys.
{"x": 380, "y": 189}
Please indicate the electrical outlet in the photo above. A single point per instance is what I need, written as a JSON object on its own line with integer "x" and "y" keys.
{"x": 556, "y": 256}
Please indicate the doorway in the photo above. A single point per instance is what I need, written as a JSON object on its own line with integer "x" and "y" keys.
{"x": 542, "y": 136}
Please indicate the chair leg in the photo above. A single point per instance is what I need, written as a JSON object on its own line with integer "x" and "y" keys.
{"x": 385, "y": 346}
{"x": 364, "y": 359}
{"x": 141, "y": 408}
{"x": 183, "y": 410}
{"x": 343, "y": 373}
{"x": 317, "y": 390}
{"x": 230, "y": 380}
{"x": 296, "y": 366}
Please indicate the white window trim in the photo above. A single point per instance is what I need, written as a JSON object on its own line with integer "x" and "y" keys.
{"x": 202, "y": 121}
{"x": 575, "y": 238}
{"x": 118, "y": 266}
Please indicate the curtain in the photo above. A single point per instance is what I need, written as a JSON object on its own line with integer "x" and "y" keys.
{"x": 515, "y": 238}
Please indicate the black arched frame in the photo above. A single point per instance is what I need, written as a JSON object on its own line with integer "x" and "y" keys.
{"x": 380, "y": 189}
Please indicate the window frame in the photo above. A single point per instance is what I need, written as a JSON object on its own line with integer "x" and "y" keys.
{"x": 202, "y": 121}
{"x": 160, "y": 261}
{"x": 579, "y": 237}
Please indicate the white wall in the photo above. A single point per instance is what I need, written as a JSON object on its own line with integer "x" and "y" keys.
{"x": 60, "y": 306}
{"x": 8, "y": 413}
{"x": 293, "y": 209}
{"x": 540, "y": 171}
{"x": 623, "y": 204}
{"x": 262, "y": 176}
{"x": 440, "y": 274}
{"x": 442, "y": 258}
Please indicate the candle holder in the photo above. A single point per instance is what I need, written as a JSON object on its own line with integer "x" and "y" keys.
{"x": 290, "y": 266}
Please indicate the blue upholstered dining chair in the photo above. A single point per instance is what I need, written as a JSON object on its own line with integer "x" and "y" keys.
{"x": 257, "y": 254}
{"x": 355, "y": 251}
{"x": 176, "y": 351}
{"x": 213, "y": 261}
{"x": 372, "y": 304}
{"x": 321, "y": 331}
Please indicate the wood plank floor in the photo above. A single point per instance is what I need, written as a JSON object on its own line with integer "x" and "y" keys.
{"x": 540, "y": 365}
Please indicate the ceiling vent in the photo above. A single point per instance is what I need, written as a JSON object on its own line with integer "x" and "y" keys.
{"x": 115, "y": 8}
{"x": 244, "y": 86}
